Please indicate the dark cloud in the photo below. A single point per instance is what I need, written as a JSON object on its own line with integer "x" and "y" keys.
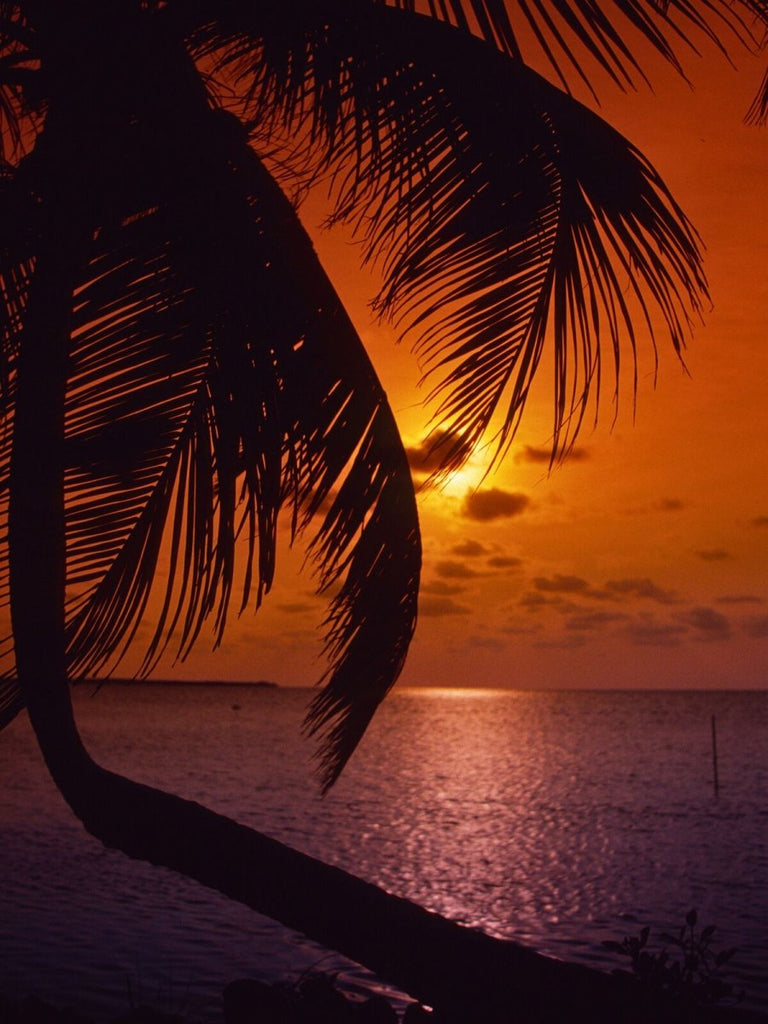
{"x": 504, "y": 562}
{"x": 295, "y": 607}
{"x": 491, "y": 643}
{"x": 438, "y": 606}
{"x": 494, "y": 504}
{"x": 713, "y": 554}
{"x": 761, "y": 521}
{"x": 429, "y": 456}
{"x": 739, "y": 599}
{"x": 440, "y": 589}
{"x": 563, "y": 643}
{"x": 708, "y": 623}
{"x": 584, "y": 622}
{"x": 641, "y": 587}
{"x": 560, "y": 584}
{"x": 650, "y": 633}
{"x": 534, "y": 600}
{"x": 469, "y": 549}
{"x": 669, "y": 505}
{"x": 521, "y": 628}
{"x": 451, "y": 570}
{"x": 543, "y": 456}
{"x": 757, "y": 627}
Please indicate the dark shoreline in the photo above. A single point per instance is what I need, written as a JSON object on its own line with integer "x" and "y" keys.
{"x": 317, "y": 1000}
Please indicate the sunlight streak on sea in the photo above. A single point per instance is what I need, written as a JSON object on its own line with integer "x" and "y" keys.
{"x": 555, "y": 819}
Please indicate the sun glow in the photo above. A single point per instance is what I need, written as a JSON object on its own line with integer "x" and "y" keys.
{"x": 468, "y": 478}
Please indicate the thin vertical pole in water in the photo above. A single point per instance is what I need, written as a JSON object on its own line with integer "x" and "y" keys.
{"x": 714, "y": 757}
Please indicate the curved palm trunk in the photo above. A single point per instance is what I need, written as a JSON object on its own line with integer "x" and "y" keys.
{"x": 429, "y": 957}
{"x": 434, "y": 960}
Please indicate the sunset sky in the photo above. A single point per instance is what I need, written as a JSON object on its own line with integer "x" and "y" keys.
{"x": 643, "y": 560}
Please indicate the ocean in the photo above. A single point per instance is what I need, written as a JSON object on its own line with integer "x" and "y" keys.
{"x": 557, "y": 819}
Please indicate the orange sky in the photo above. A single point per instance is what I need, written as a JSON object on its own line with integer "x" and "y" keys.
{"x": 643, "y": 561}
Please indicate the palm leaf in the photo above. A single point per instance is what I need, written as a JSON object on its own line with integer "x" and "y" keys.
{"x": 499, "y": 208}
{"x": 542, "y": 218}
{"x": 19, "y": 74}
{"x": 299, "y": 39}
{"x": 215, "y": 378}
{"x": 16, "y": 267}
{"x": 758, "y": 111}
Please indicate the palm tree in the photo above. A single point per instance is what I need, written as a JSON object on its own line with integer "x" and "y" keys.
{"x": 176, "y": 367}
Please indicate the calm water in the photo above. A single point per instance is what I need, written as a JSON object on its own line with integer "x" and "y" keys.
{"x": 556, "y": 819}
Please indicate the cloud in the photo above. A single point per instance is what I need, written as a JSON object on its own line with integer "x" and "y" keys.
{"x": 543, "y": 456}
{"x": 560, "y": 584}
{"x": 439, "y": 606}
{"x": 584, "y": 622}
{"x": 451, "y": 570}
{"x": 440, "y": 589}
{"x": 504, "y": 562}
{"x": 761, "y": 521}
{"x": 563, "y": 643}
{"x": 295, "y": 607}
{"x": 469, "y": 549}
{"x": 519, "y": 627}
{"x": 641, "y": 587}
{"x": 757, "y": 627}
{"x": 494, "y": 504}
{"x": 651, "y": 633}
{"x": 491, "y": 643}
{"x": 534, "y": 601}
{"x": 739, "y": 599}
{"x": 428, "y": 456}
{"x": 708, "y": 623}
{"x": 669, "y": 505}
{"x": 713, "y": 554}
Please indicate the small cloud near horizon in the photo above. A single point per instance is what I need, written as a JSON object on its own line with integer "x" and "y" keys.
{"x": 561, "y": 584}
{"x": 435, "y": 607}
{"x": 587, "y": 621}
{"x": 449, "y": 569}
{"x": 714, "y": 554}
{"x": 428, "y": 455}
{"x": 494, "y": 503}
{"x": 543, "y": 456}
{"x": 641, "y": 587}
{"x": 648, "y": 632}
{"x": 504, "y": 562}
{"x": 757, "y": 627}
{"x": 440, "y": 589}
{"x": 708, "y": 623}
{"x": 491, "y": 643}
{"x": 469, "y": 549}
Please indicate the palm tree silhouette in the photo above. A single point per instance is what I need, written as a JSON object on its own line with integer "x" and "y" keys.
{"x": 176, "y": 364}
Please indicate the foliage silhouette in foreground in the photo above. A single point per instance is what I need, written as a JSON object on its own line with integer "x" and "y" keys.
{"x": 690, "y": 970}
{"x": 177, "y": 373}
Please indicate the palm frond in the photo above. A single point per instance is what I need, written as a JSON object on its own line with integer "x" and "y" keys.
{"x": 214, "y": 379}
{"x": 20, "y": 99}
{"x": 541, "y": 218}
{"x": 758, "y": 111}
{"x": 297, "y": 41}
{"x": 16, "y": 268}
{"x": 499, "y": 209}
{"x": 347, "y": 447}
